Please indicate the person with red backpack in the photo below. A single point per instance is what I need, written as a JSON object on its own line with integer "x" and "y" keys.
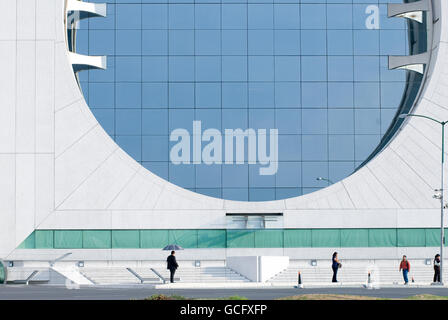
{"x": 406, "y": 267}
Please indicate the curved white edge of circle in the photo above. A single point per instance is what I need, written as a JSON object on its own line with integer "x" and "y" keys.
{"x": 79, "y": 178}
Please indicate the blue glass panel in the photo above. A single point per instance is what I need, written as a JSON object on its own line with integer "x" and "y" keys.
{"x": 364, "y": 144}
{"x": 154, "y": 95}
{"x": 154, "y": 148}
{"x": 208, "y": 95}
{"x": 132, "y": 145}
{"x": 101, "y": 95}
{"x": 260, "y": 16}
{"x": 340, "y": 42}
{"x": 181, "y": 68}
{"x": 315, "y": 147}
{"x": 101, "y": 42}
{"x": 367, "y": 95}
{"x": 286, "y": 16}
{"x": 287, "y": 68}
{"x": 154, "y": 42}
{"x": 128, "y": 121}
{"x": 340, "y": 16}
{"x": 315, "y": 70}
{"x": 155, "y": 122}
{"x": 181, "y": 95}
{"x": 208, "y": 16}
{"x": 314, "y": 94}
{"x": 129, "y": 42}
{"x": 208, "y": 42}
{"x": 367, "y": 121}
{"x": 181, "y": 42}
{"x": 128, "y": 69}
{"x": 287, "y": 42}
{"x": 314, "y": 121}
{"x": 208, "y": 68}
{"x": 339, "y": 170}
{"x": 313, "y": 16}
{"x": 128, "y": 95}
{"x": 261, "y": 68}
{"x": 181, "y": 16}
{"x": 314, "y": 42}
{"x": 287, "y": 95}
{"x": 234, "y": 68}
{"x": 234, "y": 42}
{"x": 208, "y": 176}
{"x": 340, "y": 95}
{"x": 237, "y": 194}
{"x": 234, "y": 95}
{"x": 312, "y": 170}
{"x": 289, "y": 175}
{"x": 156, "y": 16}
{"x": 340, "y": 121}
{"x": 128, "y": 16}
{"x": 234, "y": 16}
{"x": 261, "y": 95}
{"x": 341, "y": 147}
{"x": 340, "y": 68}
{"x": 290, "y": 147}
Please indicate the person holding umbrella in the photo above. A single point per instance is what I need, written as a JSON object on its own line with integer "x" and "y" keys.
{"x": 172, "y": 265}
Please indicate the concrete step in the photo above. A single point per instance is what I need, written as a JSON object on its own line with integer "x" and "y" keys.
{"x": 116, "y": 275}
{"x": 387, "y": 274}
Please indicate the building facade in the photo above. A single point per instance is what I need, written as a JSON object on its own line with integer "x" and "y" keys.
{"x": 112, "y": 159}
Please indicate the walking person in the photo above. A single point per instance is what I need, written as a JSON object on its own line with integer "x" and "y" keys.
{"x": 437, "y": 268}
{"x": 406, "y": 267}
{"x": 335, "y": 266}
{"x": 172, "y": 265}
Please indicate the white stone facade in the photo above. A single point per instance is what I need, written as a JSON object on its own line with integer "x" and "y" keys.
{"x": 60, "y": 170}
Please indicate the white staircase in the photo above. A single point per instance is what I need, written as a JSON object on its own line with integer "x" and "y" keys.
{"x": 384, "y": 273}
{"x": 204, "y": 275}
{"x": 120, "y": 275}
{"x": 109, "y": 275}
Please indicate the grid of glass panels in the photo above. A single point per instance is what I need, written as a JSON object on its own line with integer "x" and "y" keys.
{"x": 314, "y": 69}
{"x": 232, "y": 238}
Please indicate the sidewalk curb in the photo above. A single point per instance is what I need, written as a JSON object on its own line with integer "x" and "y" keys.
{"x": 279, "y": 286}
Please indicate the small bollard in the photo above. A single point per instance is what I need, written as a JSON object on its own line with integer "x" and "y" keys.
{"x": 369, "y": 281}
{"x": 299, "y": 280}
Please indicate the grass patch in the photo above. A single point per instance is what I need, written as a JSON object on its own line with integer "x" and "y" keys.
{"x": 177, "y": 297}
{"x": 165, "y": 297}
{"x": 354, "y": 297}
{"x": 225, "y": 298}
{"x": 427, "y": 297}
{"x": 329, "y": 297}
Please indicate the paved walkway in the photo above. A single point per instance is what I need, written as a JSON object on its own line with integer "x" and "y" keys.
{"x": 45, "y": 292}
{"x": 254, "y": 285}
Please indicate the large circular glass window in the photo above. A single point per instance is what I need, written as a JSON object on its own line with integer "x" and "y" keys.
{"x": 246, "y": 99}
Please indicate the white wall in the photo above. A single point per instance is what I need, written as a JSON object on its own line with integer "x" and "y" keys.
{"x": 59, "y": 169}
{"x": 270, "y": 266}
{"x": 245, "y": 265}
{"x": 258, "y": 268}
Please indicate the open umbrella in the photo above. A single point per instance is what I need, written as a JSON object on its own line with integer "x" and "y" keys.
{"x": 172, "y": 247}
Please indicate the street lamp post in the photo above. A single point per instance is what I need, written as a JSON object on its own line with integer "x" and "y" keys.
{"x": 324, "y": 179}
{"x": 442, "y": 235}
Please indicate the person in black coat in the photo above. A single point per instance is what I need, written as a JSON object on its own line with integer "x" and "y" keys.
{"x": 172, "y": 265}
{"x": 437, "y": 268}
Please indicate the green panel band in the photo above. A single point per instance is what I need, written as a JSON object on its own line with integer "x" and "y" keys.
{"x": 232, "y": 238}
